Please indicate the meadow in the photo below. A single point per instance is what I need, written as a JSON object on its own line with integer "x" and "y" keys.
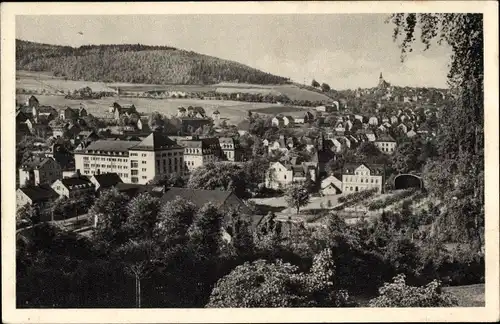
{"x": 53, "y": 89}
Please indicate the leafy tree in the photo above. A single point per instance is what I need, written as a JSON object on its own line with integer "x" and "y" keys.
{"x": 399, "y": 294}
{"x": 464, "y": 34}
{"x": 205, "y": 233}
{"x": 169, "y": 180}
{"x": 315, "y": 83}
{"x": 219, "y": 176}
{"x": 297, "y": 196}
{"x": 139, "y": 258}
{"x": 238, "y": 226}
{"x": 110, "y": 209}
{"x": 28, "y": 215}
{"x": 143, "y": 213}
{"x": 325, "y": 87}
{"x": 279, "y": 284}
{"x": 174, "y": 220}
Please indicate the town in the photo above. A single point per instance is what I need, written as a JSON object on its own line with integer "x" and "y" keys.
{"x": 231, "y": 187}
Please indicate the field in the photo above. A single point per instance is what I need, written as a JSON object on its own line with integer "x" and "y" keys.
{"x": 54, "y": 89}
{"x": 468, "y": 296}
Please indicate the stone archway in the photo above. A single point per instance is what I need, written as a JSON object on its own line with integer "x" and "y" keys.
{"x": 406, "y": 181}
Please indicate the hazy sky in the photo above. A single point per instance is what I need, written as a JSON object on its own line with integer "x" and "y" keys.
{"x": 343, "y": 50}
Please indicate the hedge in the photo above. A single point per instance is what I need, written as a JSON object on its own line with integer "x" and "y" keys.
{"x": 382, "y": 203}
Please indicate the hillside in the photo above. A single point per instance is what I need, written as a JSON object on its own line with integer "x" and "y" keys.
{"x": 135, "y": 64}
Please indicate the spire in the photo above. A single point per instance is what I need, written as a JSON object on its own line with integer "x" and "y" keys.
{"x": 381, "y": 77}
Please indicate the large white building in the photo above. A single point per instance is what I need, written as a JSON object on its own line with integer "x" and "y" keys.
{"x": 200, "y": 151}
{"x": 134, "y": 161}
{"x": 361, "y": 176}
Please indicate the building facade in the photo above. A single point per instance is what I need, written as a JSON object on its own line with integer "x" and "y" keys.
{"x": 198, "y": 152}
{"x": 39, "y": 171}
{"x": 133, "y": 161}
{"x": 361, "y": 176}
{"x": 230, "y": 148}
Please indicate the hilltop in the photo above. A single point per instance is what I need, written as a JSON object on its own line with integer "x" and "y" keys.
{"x": 136, "y": 63}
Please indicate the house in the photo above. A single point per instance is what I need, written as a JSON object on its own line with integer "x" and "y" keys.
{"x": 362, "y": 176}
{"x": 191, "y": 124}
{"x": 32, "y": 102}
{"x": 224, "y": 201}
{"x": 21, "y": 117}
{"x": 69, "y": 114}
{"x": 134, "y": 189}
{"x": 59, "y": 131}
{"x": 386, "y": 143}
{"x": 231, "y": 149}
{"x": 105, "y": 180}
{"x": 411, "y": 133}
{"x": 82, "y": 112}
{"x": 142, "y": 124}
{"x": 216, "y": 115}
{"x": 360, "y": 118}
{"x": 87, "y": 136}
{"x": 283, "y": 144}
{"x": 181, "y": 112}
{"x": 280, "y": 175}
{"x": 382, "y": 128}
{"x": 331, "y": 186}
{"x": 39, "y": 171}
{"x": 394, "y": 120}
{"x": 348, "y": 125}
{"x": 288, "y": 121}
{"x": 199, "y": 151}
{"x": 73, "y": 187}
{"x": 340, "y": 127}
{"x": 119, "y": 111}
{"x": 403, "y": 128}
{"x": 278, "y": 121}
{"x": 41, "y": 195}
{"x": 373, "y": 121}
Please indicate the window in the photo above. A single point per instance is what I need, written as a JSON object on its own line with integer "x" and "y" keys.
{"x": 376, "y": 180}
{"x": 134, "y": 179}
{"x": 85, "y": 158}
{"x": 144, "y": 154}
{"x": 144, "y": 170}
{"x": 134, "y": 164}
{"x": 284, "y": 176}
{"x": 144, "y": 177}
{"x": 144, "y": 162}
{"x": 134, "y": 172}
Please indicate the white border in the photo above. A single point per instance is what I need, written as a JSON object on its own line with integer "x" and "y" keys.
{"x": 11, "y": 315}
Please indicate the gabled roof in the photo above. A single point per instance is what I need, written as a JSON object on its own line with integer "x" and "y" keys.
{"x": 76, "y": 182}
{"x": 385, "y": 138}
{"x": 39, "y": 193}
{"x": 133, "y": 189}
{"x": 198, "y": 197}
{"x": 156, "y": 141}
{"x": 375, "y": 169}
{"x": 36, "y": 163}
{"x": 107, "y": 180}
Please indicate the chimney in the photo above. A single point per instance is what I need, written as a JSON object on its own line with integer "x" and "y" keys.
{"x": 78, "y": 174}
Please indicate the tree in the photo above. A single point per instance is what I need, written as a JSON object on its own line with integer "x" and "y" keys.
{"x": 205, "y": 233}
{"x": 238, "y": 226}
{"x": 279, "y": 284}
{"x": 464, "y": 34}
{"x": 325, "y": 87}
{"x": 315, "y": 83}
{"x": 297, "y": 196}
{"x": 174, "y": 220}
{"x": 399, "y": 294}
{"x": 110, "y": 212}
{"x": 219, "y": 176}
{"x": 169, "y": 180}
{"x": 139, "y": 258}
{"x": 142, "y": 215}
{"x": 28, "y": 215}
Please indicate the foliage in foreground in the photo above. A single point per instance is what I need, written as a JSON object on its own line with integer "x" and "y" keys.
{"x": 399, "y": 294}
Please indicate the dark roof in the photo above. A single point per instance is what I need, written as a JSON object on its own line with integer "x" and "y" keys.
{"x": 76, "y": 182}
{"x": 107, "y": 180}
{"x": 133, "y": 189}
{"x": 39, "y": 193}
{"x": 112, "y": 146}
{"x": 156, "y": 141}
{"x": 198, "y": 197}
{"x": 36, "y": 163}
{"x": 375, "y": 169}
{"x": 385, "y": 138}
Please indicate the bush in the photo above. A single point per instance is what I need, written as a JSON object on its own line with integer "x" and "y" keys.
{"x": 382, "y": 203}
{"x": 357, "y": 196}
{"x": 398, "y": 294}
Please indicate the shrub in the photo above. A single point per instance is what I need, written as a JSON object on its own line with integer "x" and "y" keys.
{"x": 357, "y": 196}
{"x": 381, "y": 203}
{"x": 398, "y": 294}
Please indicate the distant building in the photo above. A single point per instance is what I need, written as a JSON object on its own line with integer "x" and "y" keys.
{"x": 331, "y": 186}
{"x": 199, "y": 151}
{"x": 133, "y": 161}
{"x": 105, "y": 180}
{"x": 73, "y": 187}
{"x": 69, "y": 114}
{"x": 361, "y": 176}
{"x": 39, "y": 171}
{"x": 230, "y": 148}
{"x": 386, "y": 144}
{"x": 41, "y": 195}
{"x": 279, "y": 175}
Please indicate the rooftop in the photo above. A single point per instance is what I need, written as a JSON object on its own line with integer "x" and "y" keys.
{"x": 39, "y": 193}
{"x": 111, "y": 146}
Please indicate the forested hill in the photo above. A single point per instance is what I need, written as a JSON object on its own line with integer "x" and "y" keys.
{"x": 135, "y": 63}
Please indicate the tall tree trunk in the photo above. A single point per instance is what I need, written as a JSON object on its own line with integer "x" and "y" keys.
{"x": 139, "y": 292}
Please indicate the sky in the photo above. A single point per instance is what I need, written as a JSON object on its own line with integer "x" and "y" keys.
{"x": 346, "y": 51}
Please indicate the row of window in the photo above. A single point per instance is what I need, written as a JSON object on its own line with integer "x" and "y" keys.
{"x": 358, "y": 189}
{"x": 96, "y": 158}
{"x": 362, "y": 180}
